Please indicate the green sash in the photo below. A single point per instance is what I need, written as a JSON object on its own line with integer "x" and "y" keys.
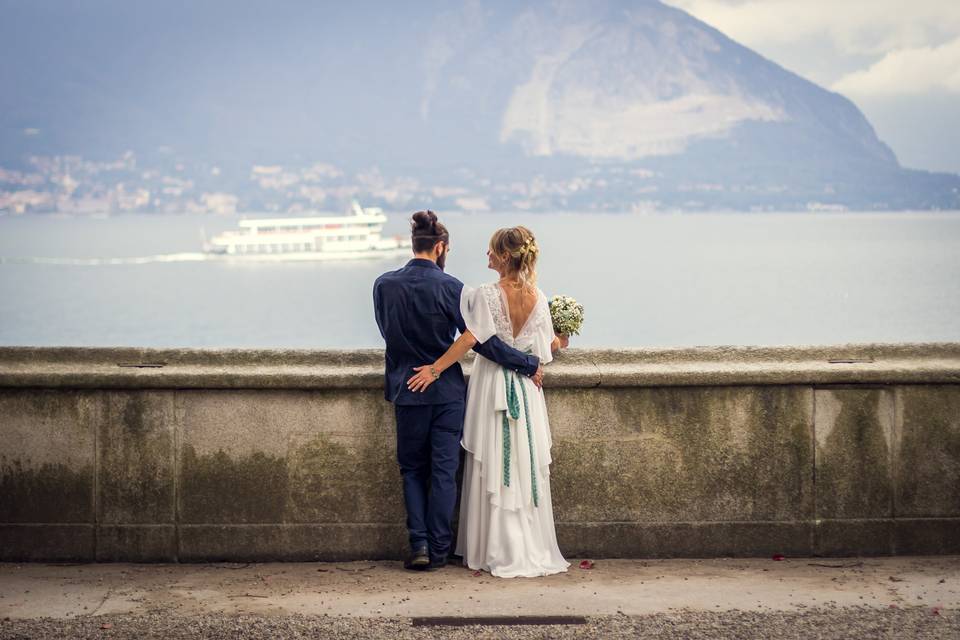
{"x": 513, "y": 409}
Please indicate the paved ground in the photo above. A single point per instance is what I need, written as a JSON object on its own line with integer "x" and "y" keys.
{"x": 904, "y": 597}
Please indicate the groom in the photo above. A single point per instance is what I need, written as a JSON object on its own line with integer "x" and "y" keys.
{"x": 417, "y": 308}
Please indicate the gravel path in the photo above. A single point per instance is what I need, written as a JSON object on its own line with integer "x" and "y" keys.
{"x": 858, "y": 622}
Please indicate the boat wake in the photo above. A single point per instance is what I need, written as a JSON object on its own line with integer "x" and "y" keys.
{"x": 163, "y": 257}
{"x": 302, "y": 256}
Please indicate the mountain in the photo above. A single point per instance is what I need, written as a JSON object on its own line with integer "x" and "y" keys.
{"x": 606, "y": 104}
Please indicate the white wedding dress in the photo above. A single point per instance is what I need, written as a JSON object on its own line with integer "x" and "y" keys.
{"x": 506, "y": 511}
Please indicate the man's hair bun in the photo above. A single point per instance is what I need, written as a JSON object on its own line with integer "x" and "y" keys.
{"x": 424, "y": 221}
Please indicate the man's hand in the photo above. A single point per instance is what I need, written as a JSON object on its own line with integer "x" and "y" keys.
{"x": 538, "y": 377}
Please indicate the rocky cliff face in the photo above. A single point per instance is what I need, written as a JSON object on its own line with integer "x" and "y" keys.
{"x": 624, "y": 81}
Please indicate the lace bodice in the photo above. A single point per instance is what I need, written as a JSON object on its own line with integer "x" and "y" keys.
{"x": 497, "y": 303}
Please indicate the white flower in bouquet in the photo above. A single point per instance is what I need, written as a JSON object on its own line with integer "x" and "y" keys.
{"x": 567, "y": 315}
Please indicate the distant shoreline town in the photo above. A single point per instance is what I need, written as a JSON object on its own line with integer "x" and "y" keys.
{"x": 170, "y": 184}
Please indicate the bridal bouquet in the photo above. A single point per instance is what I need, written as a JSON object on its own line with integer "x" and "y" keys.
{"x": 566, "y": 314}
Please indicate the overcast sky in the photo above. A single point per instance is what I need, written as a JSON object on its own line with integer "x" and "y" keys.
{"x": 898, "y": 60}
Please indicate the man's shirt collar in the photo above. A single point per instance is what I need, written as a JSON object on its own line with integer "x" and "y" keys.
{"x": 422, "y": 262}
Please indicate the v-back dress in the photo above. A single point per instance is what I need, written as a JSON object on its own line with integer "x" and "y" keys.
{"x": 506, "y": 512}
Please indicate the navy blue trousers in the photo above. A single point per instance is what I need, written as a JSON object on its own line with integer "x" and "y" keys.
{"x": 428, "y": 450}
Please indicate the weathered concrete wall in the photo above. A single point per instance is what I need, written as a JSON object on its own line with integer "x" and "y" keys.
{"x": 129, "y": 454}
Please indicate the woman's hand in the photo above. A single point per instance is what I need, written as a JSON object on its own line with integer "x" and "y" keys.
{"x": 560, "y": 341}
{"x": 423, "y": 378}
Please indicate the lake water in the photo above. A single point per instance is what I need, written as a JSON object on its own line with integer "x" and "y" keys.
{"x": 646, "y": 281}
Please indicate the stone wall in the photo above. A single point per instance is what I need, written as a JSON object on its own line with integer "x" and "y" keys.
{"x": 195, "y": 455}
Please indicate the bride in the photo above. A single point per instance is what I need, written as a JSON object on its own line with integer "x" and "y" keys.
{"x": 506, "y": 512}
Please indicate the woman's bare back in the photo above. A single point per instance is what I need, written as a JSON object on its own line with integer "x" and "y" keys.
{"x": 520, "y": 305}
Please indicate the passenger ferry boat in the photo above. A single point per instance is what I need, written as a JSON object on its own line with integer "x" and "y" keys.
{"x": 355, "y": 235}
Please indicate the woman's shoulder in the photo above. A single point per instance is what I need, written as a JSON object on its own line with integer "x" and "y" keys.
{"x": 490, "y": 289}
{"x": 480, "y": 288}
{"x": 487, "y": 291}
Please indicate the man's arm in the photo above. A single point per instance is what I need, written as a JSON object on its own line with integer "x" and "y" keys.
{"x": 378, "y": 307}
{"x": 494, "y": 349}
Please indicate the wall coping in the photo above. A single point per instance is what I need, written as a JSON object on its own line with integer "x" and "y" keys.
{"x": 150, "y": 368}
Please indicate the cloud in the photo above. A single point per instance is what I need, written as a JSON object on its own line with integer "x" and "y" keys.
{"x": 908, "y": 71}
{"x": 860, "y": 27}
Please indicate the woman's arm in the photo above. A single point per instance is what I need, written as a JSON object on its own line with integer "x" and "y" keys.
{"x": 424, "y": 377}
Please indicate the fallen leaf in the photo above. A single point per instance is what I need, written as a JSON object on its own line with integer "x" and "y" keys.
{"x": 895, "y": 579}
{"x": 586, "y": 564}
{"x": 777, "y": 557}
{"x": 107, "y": 625}
{"x": 476, "y": 573}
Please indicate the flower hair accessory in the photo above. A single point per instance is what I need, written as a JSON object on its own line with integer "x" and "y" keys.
{"x": 528, "y": 246}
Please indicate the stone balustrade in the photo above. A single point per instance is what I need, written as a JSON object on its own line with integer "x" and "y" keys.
{"x": 196, "y": 455}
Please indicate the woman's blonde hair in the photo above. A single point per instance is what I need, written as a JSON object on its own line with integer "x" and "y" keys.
{"x": 521, "y": 249}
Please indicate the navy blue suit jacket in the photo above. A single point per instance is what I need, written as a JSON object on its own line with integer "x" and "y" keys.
{"x": 418, "y": 312}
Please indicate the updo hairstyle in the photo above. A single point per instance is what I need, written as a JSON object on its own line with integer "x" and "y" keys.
{"x": 521, "y": 249}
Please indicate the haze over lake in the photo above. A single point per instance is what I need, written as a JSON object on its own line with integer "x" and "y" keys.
{"x": 645, "y": 280}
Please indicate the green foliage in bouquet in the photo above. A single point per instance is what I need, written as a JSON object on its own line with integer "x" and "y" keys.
{"x": 567, "y": 315}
